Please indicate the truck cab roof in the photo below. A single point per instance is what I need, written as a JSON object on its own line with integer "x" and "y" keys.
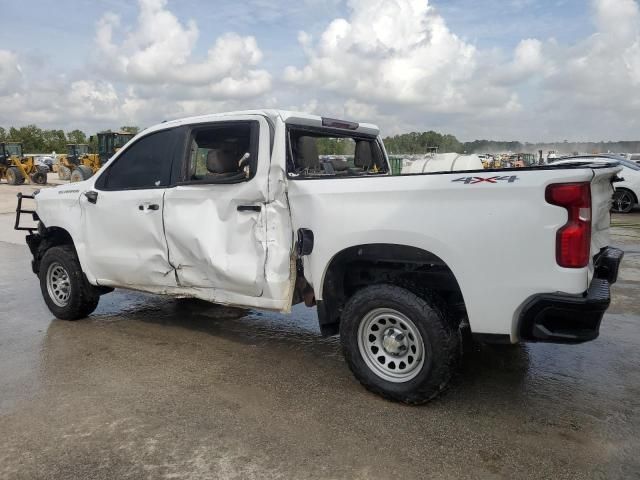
{"x": 285, "y": 116}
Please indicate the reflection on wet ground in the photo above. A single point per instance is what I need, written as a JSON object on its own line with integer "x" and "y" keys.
{"x": 156, "y": 387}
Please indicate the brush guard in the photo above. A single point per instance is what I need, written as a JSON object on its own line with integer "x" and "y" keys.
{"x": 20, "y": 211}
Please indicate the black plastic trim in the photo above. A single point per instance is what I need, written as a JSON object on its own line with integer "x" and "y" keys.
{"x": 329, "y": 324}
{"x": 249, "y": 208}
{"x": 304, "y": 245}
{"x": 493, "y": 338}
{"x": 567, "y": 318}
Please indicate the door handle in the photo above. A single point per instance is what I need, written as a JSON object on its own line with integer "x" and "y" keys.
{"x": 92, "y": 196}
{"x": 249, "y": 208}
{"x": 153, "y": 206}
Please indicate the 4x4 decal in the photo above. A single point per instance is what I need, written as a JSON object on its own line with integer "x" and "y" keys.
{"x": 473, "y": 180}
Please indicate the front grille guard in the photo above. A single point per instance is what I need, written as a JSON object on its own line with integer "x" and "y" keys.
{"x": 20, "y": 211}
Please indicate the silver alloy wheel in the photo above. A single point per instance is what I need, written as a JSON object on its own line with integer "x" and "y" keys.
{"x": 58, "y": 284}
{"x": 391, "y": 345}
{"x": 622, "y": 201}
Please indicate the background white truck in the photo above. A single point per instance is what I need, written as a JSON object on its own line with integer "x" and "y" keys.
{"x": 244, "y": 209}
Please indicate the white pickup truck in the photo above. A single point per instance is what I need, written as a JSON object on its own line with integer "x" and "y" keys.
{"x": 267, "y": 209}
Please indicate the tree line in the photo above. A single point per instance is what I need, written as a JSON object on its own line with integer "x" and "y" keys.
{"x": 424, "y": 142}
{"x": 38, "y": 140}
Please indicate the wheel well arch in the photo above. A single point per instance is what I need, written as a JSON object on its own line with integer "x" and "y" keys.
{"x": 58, "y": 236}
{"x": 47, "y": 238}
{"x": 413, "y": 268}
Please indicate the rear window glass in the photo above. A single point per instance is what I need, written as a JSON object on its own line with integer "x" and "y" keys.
{"x": 318, "y": 153}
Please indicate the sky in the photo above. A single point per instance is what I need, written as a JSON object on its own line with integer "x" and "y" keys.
{"x": 528, "y": 70}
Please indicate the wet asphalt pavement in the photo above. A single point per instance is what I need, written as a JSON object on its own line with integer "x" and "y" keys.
{"x": 151, "y": 387}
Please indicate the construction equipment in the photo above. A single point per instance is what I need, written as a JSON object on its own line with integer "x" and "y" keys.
{"x": 17, "y": 169}
{"x": 78, "y": 164}
{"x": 71, "y": 159}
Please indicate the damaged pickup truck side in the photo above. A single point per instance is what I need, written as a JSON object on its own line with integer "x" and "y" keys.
{"x": 267, "y": 209}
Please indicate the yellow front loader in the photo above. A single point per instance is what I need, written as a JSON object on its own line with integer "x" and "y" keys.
{"x": 17, "y": 169}
{"x": 78, "y": 164}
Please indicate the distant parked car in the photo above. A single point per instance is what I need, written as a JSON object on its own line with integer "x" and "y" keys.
{"x": 45, "y": 162}
{"x": 634, "y": 157}
{"x": 627, "y": 192}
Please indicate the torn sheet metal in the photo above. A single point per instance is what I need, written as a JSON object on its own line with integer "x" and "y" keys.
{"x": 211, "y": 243}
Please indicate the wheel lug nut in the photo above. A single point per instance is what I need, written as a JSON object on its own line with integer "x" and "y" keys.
{"x": 399, "y": 337}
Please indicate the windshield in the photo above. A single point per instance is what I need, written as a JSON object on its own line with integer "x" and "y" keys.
{"x": 120, "y": 140}
{"x": 14, "y": 149}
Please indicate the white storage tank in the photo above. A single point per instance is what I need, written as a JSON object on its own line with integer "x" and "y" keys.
{"x": 444, "y": 162}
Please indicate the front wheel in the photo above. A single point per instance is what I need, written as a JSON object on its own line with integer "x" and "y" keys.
{"x": 399, "y": 345}
{"x": 64, "y": 287}
{"x": 623, "y": 201}
{"x": 14, "y": 176}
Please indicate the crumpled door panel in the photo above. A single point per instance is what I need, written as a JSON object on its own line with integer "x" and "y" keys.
{"x": 211, "y": 243}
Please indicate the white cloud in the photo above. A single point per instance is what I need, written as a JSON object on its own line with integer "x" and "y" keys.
{"x": 400, "y": 57}
{"x": 602, "y": 71}
{"x": 392, "y": 62}
{"x": 10, "y": 72}
{"x": 160, "y": 51}
{"x": 397, "y": 51}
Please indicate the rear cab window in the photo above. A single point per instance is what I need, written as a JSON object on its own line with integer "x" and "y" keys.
{"x": 327, "y": 153}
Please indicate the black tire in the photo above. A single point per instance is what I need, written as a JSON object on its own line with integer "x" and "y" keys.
{"x": 82, "y": 299}
{"x": 623, "y": 201}
{"x": 39, "y": 177}
{"x": 64, "y": 173}
{"x": 14, "y": 176}
{"x": 81, "y": 173}
{"x": 439, "y": 335}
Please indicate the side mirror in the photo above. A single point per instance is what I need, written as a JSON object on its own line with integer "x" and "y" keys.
{"x": 92, "y": 196}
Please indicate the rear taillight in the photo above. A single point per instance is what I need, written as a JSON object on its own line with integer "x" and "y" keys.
{"x": 573, "y": 240}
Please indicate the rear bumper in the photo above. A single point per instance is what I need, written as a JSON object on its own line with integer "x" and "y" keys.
{"x": 566, "y": 318}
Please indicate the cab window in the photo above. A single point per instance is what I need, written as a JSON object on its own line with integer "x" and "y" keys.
{"x": 145, "y": 164}
{"x": 222, "y": 153}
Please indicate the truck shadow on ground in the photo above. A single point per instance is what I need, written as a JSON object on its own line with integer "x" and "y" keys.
{"x": 503, "y": 369}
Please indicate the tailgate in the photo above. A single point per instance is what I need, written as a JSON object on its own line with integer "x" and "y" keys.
{"x": 601, "y": 198}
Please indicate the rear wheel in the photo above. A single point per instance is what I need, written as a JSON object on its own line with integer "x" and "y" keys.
{"x": 64, "y": 173}
{"x": 14, "y": 176}
{"x": 623, "y": 201}
{"x": 81, "y": 173}
{"x": 64, "y": 287}
{"x": 399, "y": 345}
